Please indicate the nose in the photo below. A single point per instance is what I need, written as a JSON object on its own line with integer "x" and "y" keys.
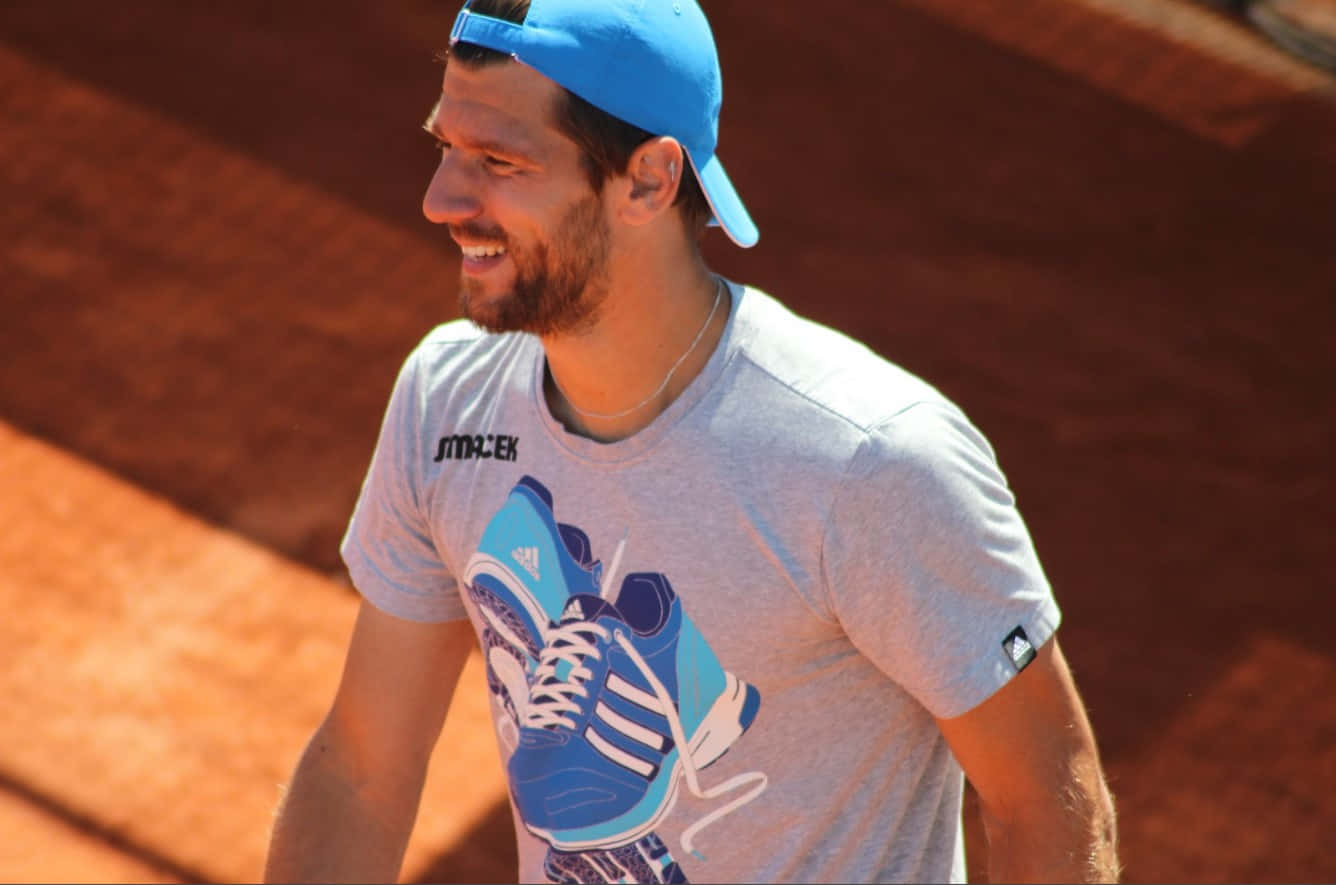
{"x": 450, "y": 198}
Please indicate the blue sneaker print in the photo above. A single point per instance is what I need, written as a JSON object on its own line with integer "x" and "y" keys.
{"x": 646, "y": 860}
{"x": 534, "y": 581}
{"x": 627, "y": 700}
{"x": 527, "y": 565}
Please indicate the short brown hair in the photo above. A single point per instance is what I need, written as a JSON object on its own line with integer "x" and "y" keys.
{"x": 606, "y": 142}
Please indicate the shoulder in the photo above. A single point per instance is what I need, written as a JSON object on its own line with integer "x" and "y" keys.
{"x": 891, "y": 434}
{"x": 458, "y": 353}
{"x": 928, "y": 452}
{"x": 825, "y": 372}
{"x": 460, "y": 341}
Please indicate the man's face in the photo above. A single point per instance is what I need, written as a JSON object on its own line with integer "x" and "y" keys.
{"x": 534, "y": 235}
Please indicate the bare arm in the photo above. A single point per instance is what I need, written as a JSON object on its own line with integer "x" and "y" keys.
{"x": 1030, "y": 753}
{"x": 350, "y": 807}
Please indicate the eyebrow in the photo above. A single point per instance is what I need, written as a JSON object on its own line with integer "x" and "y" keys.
{"x": 519, "y": 149}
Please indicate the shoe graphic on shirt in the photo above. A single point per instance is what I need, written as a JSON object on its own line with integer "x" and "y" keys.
{"x": 525, "y": 568}
{"x": 646, "y": 860}
{"x": 628, "y": 700}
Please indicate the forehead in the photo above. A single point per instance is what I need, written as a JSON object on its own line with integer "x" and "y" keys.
{"x": 503, "y": 101}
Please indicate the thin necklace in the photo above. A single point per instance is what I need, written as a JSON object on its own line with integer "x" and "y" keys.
{"x": 718, "y": 296}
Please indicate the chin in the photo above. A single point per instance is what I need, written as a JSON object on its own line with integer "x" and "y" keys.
{"x": 492, "y": 312}
{"x": 537, "y": 306}
{"x": 486, "y": 317}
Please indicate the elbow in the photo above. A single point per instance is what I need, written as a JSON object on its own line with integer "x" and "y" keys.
{"x": 1067, "y": 834}
{"x": 1102, "y": 863}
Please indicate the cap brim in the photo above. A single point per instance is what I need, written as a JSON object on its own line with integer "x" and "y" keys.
{"x": 724, "y": 202}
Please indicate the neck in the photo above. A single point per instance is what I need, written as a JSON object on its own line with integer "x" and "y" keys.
{"x": 648, "y": 323}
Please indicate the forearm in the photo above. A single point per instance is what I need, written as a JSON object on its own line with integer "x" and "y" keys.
{"x": 330, "y": 829}
{"x": 1073, "y": 840}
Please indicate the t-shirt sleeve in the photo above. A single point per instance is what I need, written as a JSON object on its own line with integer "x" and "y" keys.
{"x": 388, "y": 548}
{"x": 929, "y": 567}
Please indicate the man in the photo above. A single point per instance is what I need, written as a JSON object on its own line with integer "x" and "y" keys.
{"x": 749, "y": 596}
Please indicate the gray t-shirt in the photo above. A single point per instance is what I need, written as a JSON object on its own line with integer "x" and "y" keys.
{"x": 715, "y": 649}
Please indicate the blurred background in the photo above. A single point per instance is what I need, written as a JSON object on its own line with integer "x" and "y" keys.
{"x": 1107, "y": 228}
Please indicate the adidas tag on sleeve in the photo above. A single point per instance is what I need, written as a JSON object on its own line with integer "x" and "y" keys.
{"x": 1018, "y": 648}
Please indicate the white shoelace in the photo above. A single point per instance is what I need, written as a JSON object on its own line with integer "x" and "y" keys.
{"x": 737, "y": 782}
{"x": 551, "y": 696}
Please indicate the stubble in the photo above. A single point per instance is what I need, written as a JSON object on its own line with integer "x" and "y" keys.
{"x": 560, "y": 283}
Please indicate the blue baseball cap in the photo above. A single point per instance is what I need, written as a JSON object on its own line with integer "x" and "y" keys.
{"x": 651, "y": 63}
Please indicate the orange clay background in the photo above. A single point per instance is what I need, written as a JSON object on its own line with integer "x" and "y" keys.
{"x": 1105, "y": 228}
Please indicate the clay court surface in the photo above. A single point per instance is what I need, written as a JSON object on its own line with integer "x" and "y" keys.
{"x": 1105, "y": 228}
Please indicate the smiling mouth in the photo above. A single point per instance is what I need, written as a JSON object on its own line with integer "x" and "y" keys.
{"x": 482, "y": 251}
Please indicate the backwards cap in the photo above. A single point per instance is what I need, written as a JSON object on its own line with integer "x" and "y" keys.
{"x": 651, "y": 63}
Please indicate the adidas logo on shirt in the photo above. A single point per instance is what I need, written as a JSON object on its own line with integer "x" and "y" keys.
{"x": 1019, "y": 648}
{"x": 527, "y": 557}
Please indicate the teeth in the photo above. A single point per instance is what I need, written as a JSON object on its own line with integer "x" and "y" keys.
{"x": 483, "y": 251}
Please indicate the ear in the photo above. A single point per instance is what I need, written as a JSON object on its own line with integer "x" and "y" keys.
{"x": 654, "y": 173}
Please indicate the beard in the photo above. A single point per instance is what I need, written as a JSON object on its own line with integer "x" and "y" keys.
{"x": 559, "y": 283}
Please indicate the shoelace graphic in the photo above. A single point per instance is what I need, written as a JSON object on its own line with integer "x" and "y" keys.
{"x": 737, "y": 782}
{"x": 550, "y": 696}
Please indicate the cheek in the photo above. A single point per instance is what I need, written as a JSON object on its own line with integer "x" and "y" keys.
{"x": 531, "y": 206}
{"x": 544, "y": 195}
{"x": 515, "y": 207}
{"x": 526, "y": 217}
